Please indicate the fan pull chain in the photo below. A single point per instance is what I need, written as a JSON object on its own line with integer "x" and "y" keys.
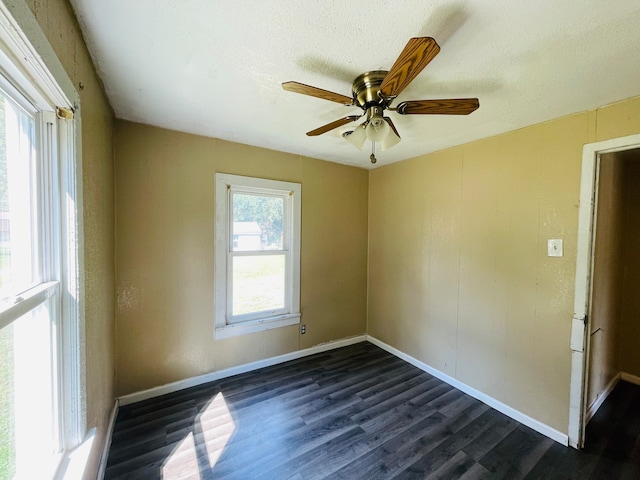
{"x": 373, "y": 153}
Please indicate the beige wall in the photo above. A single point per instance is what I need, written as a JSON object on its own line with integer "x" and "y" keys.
{"x": 164, "y": 243}
{"x": 458, "y": 270}
{"x": 459, "y": 276}
{"x": 59, "y": 25}
{"x": 629, "y": 340}
{"x": 606, "y": 295}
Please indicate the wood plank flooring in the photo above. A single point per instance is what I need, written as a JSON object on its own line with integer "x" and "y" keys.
{"x": 356, "y": 413}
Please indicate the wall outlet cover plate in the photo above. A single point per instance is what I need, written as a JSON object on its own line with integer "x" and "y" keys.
{"x": 554, "y": 247}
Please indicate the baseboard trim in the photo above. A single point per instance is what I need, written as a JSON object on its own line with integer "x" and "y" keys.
{"x": 102, "y": 468}
{"x": 229, "y": 372}
{"x": 536, "y": 425}
{"x": 595, "y": 406}
{"x": 627, "y": 377}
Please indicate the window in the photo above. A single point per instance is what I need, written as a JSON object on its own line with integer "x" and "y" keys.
{"x": 29, "y": 291}
{"x": 257, "y": 244}
{"x": 41, "y": 402}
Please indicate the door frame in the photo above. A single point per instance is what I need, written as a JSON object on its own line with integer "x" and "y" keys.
{"x": 587, "y": 223}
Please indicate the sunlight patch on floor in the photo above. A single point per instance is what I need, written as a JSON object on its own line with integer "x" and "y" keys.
{"x": 217, "y": 426}
{"x": 183, "y": 461}
{"x": 202, "y": 447}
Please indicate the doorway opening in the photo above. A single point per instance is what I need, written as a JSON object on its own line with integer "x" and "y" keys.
{"x": 602, "y": 323}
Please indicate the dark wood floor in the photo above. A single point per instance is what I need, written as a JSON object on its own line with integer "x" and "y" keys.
{"x": 356, "y": 413}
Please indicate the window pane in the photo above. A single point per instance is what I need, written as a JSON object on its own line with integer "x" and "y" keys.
{"x": 16, "y": 205}
{"x": 26, "y": 396}
{"x": 258, "y": 283}
{"x": 7, "y": 417}
{"x": 257, "y": 222}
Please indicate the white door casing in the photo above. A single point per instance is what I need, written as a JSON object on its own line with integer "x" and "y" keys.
{"x": 587, "y": 223}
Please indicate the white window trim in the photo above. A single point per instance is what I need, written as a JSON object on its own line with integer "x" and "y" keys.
{"x": 34, "y": 67}
{"x": 27, "y": 301}
{"x": 224, "y": 184}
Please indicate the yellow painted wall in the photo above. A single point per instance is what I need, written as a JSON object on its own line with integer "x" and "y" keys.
{"x": 165, "y": 260}
{"x": 457, "y": 240}
{"x": 59, "y": 24}
{"x": 458, "y": 273}
{"x": 607, "y": 283}
{"x": 459, "y": 276}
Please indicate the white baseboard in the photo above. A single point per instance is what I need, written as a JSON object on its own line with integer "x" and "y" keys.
{"x": 627, "y": 377}
{"x": 107, "y": 441}
{"x": 595, "y": 406}
{"x": 229, "y": 372}
{"x": 536, "y": 425}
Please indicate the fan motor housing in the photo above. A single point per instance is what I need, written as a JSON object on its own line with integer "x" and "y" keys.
{"x": 365, "y": 89}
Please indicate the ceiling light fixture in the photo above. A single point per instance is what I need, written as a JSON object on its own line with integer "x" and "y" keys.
{"x": 375, "y": 129}
{"x": 357, "y": 136}
{"x": 374, "y": 91}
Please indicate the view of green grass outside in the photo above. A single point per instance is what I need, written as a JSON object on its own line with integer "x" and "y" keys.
{"x": 7, "y": 427}
{"x": 5, "y": 266}
{"x": 7, "y": 452}
{"x": 258, "y": 283}
{"x": 7, "y": 424}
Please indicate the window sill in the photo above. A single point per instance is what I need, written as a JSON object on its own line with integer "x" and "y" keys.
{"x": 261, "y": 325}
{"x": 74, "y": 463}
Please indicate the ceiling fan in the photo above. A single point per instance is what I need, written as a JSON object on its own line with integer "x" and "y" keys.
{"x": 374, "y": 92}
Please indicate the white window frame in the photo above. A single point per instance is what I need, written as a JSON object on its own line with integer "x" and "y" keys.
{"x": 31, "y": 67}
{"x": 227, "y": 325}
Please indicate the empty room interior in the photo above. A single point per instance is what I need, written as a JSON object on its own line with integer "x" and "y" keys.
{"x": 319, "y": 240}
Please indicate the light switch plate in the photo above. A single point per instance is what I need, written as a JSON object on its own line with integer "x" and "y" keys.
{"x": 554, "y": 247}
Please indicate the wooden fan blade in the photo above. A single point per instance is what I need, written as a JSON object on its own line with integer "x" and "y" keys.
{"x": 454, "y": 106}
{"x": 332, "y": 125}
{"x": 416, "y": 55}
{"x": 296, "y": 87}
{"x": 393, "y": 127}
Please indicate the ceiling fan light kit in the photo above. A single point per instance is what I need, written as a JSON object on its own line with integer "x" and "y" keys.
{"x": 356, "y": 137}
{"x": 377, "y": 127}
{"x": 374, "y": 92}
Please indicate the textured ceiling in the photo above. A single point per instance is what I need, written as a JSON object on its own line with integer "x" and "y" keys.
{"x": 214, "y": 67}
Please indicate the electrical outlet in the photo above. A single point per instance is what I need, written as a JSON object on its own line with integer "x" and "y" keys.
{"x": 303, "y": 329}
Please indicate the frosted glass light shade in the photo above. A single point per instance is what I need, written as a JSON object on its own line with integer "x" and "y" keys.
{"x": 377, "y": 129}
{"x": 390, "y": 140}
{"x": 357, "y": 137}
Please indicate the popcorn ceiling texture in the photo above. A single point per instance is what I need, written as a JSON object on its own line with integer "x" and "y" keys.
{"x": 214, "y": 68}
